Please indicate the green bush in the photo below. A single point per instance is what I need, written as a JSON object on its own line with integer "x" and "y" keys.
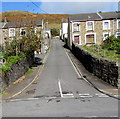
{"x": 111, "y": 43}
{"x": 10, "y": 61}
{"x": 55, "y": 32}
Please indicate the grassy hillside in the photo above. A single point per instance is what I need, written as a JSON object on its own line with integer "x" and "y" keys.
{"x": 53, "y": 20}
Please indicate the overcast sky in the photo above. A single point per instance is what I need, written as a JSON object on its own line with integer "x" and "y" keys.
{"x": 57, "y": 7}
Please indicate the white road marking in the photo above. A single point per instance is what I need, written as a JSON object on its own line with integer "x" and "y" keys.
{"x": 101, "y": 95}
{"x": 75, "y": 68}
{"x": 69, "y": 95}
{"x": 26, "y": 99}
{"x": 60, "y": 89}
{"x": 85, "y": 95}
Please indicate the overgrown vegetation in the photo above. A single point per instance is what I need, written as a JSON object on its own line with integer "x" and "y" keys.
{"x": 109, "y": 49}
{"x": 10, "y": 61}
{"x": 111, "y": 43}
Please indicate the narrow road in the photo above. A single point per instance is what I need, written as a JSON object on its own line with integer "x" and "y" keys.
{"x": 61, "y": 92}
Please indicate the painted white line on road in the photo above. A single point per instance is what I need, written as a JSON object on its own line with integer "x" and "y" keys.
{"x": 70, "y": 95}
{"x": 89, "y": 96}
{"x": 26, "y": 99}
{"x": 60, "y": 89}
{"x": 101, "y": 95}
{"x": 78, "y": 73}
{"x": 86, "y": 94}
{"x": 77, "y": 69}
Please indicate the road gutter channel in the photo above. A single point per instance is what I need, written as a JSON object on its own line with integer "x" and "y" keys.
{"x": 89, "y": 82}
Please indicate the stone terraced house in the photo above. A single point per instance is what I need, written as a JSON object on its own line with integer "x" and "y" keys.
{"x": 92, "y": 28}
{"x": 15, "y": 30}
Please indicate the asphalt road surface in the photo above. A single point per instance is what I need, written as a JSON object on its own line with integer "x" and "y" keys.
{"x": 60, "y": 92}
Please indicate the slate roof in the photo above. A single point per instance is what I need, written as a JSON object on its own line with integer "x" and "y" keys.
{"x": 22, "y": 24}
{"x": 94, "y": 16}
{"x": 2, "y": 24}
{"x": 110, "y": 15}
{"x": 84, "y": 17}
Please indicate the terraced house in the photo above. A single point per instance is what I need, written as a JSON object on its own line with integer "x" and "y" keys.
{"x": 92, "y": 28}
{"x": 15, "y": 30}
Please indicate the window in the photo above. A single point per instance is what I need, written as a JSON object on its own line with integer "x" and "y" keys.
{"x": 118, "y": 34}
{"x": 106, "y": 35}
{"x": 77, "y": 39}
{"x": 11, "y": 32}
{"x": 118, "y": 24}
{"x": 90, "y": 38}
{"x": 106, "y": 25}
{"x": 90, "y": 25}
{"x": 76, "y": 27}
{"x": 22, "y": 32}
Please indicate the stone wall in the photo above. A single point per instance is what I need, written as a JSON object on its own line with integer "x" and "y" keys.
{"x": 104, "y": 69}
{"x": 16, "y": 71}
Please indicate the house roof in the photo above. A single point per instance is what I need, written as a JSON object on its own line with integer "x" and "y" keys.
{"x": 110, "y": 15}
{"x": 84, "y": 17}
{"x": 2, "y": 24}
{"x": 22, "y": 24}
{"x": 94, "y": 16}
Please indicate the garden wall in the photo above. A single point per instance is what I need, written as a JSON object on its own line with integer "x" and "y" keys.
{"x": 16, "y": 71}
{"x": 104, "y": 69}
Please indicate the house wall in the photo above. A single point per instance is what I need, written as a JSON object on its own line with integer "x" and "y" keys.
{"x": 5, "y": 35}
{"x": 64, "y": 30}
{"x": 98, "y": 31}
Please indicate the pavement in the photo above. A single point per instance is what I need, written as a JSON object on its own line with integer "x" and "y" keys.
{"x": 24, "y": 82}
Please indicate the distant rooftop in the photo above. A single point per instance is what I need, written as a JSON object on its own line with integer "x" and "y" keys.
{"x": 21, "y": 24}
{"x": 94, "y": 16}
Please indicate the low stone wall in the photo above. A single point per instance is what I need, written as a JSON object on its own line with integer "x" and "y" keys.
{"x": 104, "y": 69}
{"x": 16, "y": 71}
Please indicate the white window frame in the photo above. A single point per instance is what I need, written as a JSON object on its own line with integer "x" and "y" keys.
{"x": 21, "y": 30}
{"x": 104, "y": 34}
{"x": 116, "y": 34}
{"x": 91, "y": 34}
{"x": 87, "y": 26}
{"x": 80, "y": 43}
{"x": 108, "y": 24}
{"x": 73, "y": 26}
{"x": 117, "y": 23}
{"x": 11, "y": 34}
